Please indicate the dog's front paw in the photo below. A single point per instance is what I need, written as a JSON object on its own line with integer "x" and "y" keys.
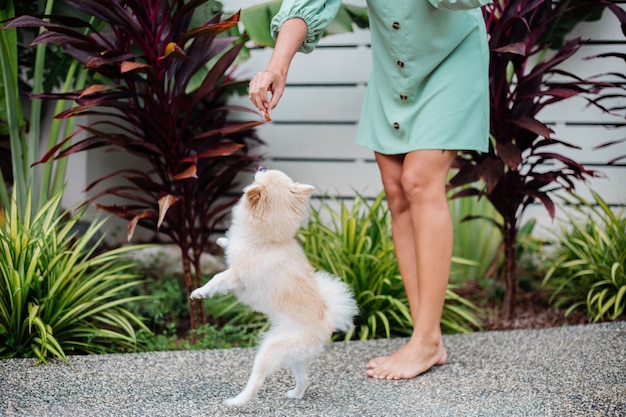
{"x": 198, "y": 293}
{"x": 237, "y": 401}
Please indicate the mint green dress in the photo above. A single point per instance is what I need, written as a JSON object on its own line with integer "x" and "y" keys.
{"x": 429, "y": 83}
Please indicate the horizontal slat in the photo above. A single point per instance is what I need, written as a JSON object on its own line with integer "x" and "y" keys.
{"x": 334, "y": 178}
{"x": 352, "y": 65}
{"x": 307, "y": 141}
{"x": 345, "y": 65}
{"x": 583, "y": 66}
{"x": 612, "y": 188}
{"x": 545, "y": 227}
{"x": 610, "y": 185}
{"x": 548, "y": 228}
{"x": 343, "y": 104}
{"x": 587, "y": 138}
{"x": 337, "y": 178}
{"x": 320, "y": 104}
{"x": 606, "y": 29}
{"x": 357, "y": 37}
{"x": 312, "y": 142}
{"x": 576, "y": 109}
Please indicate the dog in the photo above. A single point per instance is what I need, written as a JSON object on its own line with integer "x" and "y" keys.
{"x": 268, "y": 270}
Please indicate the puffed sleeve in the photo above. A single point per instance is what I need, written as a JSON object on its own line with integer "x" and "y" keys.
{"x": 317, "y": 14}
{"x": 458, "y": 4}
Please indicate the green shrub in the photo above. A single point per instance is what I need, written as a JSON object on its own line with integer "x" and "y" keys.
{"x": 355, "y": 244}
{"x": 207, "y": 336}
{"x": 357, "y": 247}
{"x": 589, "y": 262}
{"x": 165, "y": 311}
{"x": 477, "y": 237}
{"x": 228, "y": 310}
{"x": 165, "y": 299}
{"x": 56, "y": 295}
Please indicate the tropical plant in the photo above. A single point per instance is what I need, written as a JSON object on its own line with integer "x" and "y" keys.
{"x": 161, "y": 96}
{"x": 24, "y": 135}
{"x": 256, "y": 21}
{"x": 354, "y": 243}
{"x": 589, "y": 261}
{"x": 476, "y": 237}
{"x": 227, "y": 309}
{"x": 518, "y": 169}
{"x": 165, "y": 311}
{"x": 167, "y": 301}
{"x": 56, "y": 295}
{"x": 207, "y": 336}
{"x": 10, "y": 114}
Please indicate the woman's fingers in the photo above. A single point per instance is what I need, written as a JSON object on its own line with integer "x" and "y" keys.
{"x": 260, "y": 87}
{"x": 265, "y": 91}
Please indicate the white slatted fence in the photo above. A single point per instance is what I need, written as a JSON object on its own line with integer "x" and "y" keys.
{"x": 313, "y": 130}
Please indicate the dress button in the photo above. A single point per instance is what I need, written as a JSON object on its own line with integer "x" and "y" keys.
{"x": 396, "y": 126}
{"x": 400, "y": 64}
{"x": 403, "y": 97}
{"x": 395, "y": 25}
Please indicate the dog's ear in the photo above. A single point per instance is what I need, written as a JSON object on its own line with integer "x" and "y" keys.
{"x": 254, "y": 194}
{"x": 301, "y": 193}
{"x": 302, "y": 189}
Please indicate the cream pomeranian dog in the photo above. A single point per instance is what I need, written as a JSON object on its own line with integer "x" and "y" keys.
{"x": 268, "y": 271}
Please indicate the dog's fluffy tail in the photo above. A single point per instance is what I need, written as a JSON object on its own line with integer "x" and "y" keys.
{"x": 340, "y": 305}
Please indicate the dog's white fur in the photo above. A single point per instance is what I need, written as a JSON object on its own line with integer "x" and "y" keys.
{"x": 269, "y": 271}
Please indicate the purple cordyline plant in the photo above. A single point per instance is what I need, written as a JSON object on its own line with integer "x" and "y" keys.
{"x": 162, "y": 97}
{"x": 519, "y": 168}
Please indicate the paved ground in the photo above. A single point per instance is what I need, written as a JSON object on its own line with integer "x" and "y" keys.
{"x": 575, "y": 371}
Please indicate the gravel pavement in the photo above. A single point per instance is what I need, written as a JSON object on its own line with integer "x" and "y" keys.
{"x": 569, "y": 371}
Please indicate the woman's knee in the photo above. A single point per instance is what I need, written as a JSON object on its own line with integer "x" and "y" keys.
{"x": 396, "y": 199}
{"x": 421, "y": 187}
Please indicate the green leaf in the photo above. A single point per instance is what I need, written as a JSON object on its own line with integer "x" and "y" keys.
{"x": 352, "y": 240}
{"x": 11, "y": 110}
{"x": 55, "y": 295}
{"x": 256, "y": 21}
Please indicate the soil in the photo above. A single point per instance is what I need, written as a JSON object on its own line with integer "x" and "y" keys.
{"x": 532, "y": 310}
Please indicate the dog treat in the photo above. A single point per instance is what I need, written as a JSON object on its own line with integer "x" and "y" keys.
{"x": 267, "y": 116}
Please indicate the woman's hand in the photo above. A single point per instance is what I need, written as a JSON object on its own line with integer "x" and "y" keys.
{"x": 266, "y": 89}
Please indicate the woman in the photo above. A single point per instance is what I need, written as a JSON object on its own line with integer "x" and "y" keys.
{"x": 427, "y": 98}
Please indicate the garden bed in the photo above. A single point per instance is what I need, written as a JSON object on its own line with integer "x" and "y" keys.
{"x": 532, "y": 309}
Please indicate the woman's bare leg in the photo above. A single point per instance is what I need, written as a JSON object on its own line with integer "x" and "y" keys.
{"x": 422, "y": 228}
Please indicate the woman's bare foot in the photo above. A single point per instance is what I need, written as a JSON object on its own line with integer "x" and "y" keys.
{"x": 409, "y": 361}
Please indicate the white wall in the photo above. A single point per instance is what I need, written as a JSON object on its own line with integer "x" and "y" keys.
{"x": 313, "y": 130}
{"x": 311, "y": 136}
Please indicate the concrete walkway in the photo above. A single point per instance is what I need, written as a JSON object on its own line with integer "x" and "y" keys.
{"x": 574, "y": 371}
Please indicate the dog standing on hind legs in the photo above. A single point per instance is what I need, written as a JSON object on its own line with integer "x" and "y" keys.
{"x": 268, "y": 271}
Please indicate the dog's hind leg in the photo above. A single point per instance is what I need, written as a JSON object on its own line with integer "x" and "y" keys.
{"x": 268, "y": 359}
{"x": 302, "y": 381}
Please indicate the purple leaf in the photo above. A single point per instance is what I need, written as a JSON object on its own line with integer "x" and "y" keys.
{"x": 228, "y": 130}
{"x": 610, "y": 143}
{"x": 509, "y": 153}
{"x": 165, "y": 203}
{"x": 518, "y": 48}
{"x": 533, "y": 125}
